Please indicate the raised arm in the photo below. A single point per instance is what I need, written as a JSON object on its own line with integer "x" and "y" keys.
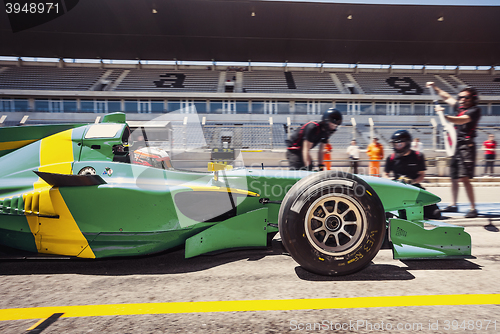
{"x": 444, "y": 95}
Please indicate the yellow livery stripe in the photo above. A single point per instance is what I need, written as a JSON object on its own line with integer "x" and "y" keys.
{"x": 55, "y": 235}
{"x": 12, "y": 145}
{"x": 62, "y": 235}
{"x": 56, "y": 153}
{"x": 224, "y": 190}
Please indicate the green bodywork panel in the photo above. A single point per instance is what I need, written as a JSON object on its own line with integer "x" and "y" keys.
{"x": 428, "y": 240}
{"x": 116, "y": 117}
{"x": 140, "y": 243}
{"x": 396, "y": 195}
{"x": 246, "y": 230}
{"x": 99, "y": 148}
{"x": 17, "y": 178}
{"x": 15, "y": 137}
{"x": 133, "y": 211}
{"x": 15, "y": 232}
{"x": 414, "y": 237}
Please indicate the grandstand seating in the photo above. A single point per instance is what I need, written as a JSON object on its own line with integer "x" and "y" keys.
{"x": 421, "y": 131}
{"x": 451, "y": 81}
{"x": 486, "y": 85}
{"x": 111, "y": 78}
{"x": 242, "y": 135}
{"x": 187, "y": 136}
{"x": 254, "y": 133}
{"x": 313, "y": 83}
{"x": 246, "y": 135}
{"x": 77, "y": 78}
{"x": 425, "y": 135}
{"x": 288, "y": 82}
{"x": 265, "y": 82}
{"x": 346, "y": 82}
{"x": 396, "y": 83}
{"x": 169, "y": 80}
{"x": 50, "y": 78}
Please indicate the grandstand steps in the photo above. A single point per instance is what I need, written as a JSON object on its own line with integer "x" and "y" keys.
{"x": 458, "y": 81}
{"x": 358, "y": 87}
{"x": 112, "y": 78}
{"x": 446, "y": 83}
{"x": 238, "y": 85}
{"x": 102, "y": 82}
{"x": 118, "y": 80}
{"x": 337, "y": 83}
{"x": 222, "y": 81}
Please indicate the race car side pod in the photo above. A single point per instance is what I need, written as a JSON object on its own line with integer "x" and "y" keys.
{"x": 246, "y": 230}
{"x": 38, "y": 202}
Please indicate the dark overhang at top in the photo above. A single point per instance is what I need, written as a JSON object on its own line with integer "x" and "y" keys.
{"x": 270, "y": 31}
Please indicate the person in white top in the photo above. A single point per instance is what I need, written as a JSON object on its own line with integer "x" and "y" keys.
{"x": 416, "y": 145}
{"x": 353, "y": 151}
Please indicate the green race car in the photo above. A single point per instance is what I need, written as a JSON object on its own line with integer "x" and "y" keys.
{"x": 80, "y": 191}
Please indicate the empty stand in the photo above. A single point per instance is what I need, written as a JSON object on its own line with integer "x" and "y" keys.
{"x": 187, "y": 136}
{"x": 289, "y": 82}
{"x": 265, "y": 82}
{"x": 485, "y": 84}
{"x": 50, "y": 78}
{"x": 395, "y": 83}
{"x": 346, "y": 83}
{"x": 166, "y": 80}
{"x": 450, "y": 81}
{"x": 314, "y": 83}
{"x": 256, "y": 81}
{"x": 115, "y": 74}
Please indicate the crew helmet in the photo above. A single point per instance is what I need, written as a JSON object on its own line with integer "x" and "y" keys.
{"x": 401, "y": 141}
{"x": 332, "y": 115}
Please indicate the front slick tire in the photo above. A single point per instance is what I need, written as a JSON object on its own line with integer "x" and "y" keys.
{"x": 332, "y": 223}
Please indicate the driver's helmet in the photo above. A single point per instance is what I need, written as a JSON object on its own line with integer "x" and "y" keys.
{"x": 401, "y": 141}
{"x": 120, "y": 149}
{"x": 332, "y": 115}
{"x": 152, "y": 157}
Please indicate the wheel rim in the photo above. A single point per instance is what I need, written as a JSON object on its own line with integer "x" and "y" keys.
{"x": 87, "y": 171}
{"x": 335, "y": 225}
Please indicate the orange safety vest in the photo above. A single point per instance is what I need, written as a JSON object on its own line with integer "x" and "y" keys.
{"x": 326, "y": 156}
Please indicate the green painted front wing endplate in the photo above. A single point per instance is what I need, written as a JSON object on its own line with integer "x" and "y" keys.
{"x": 414, "y": 240}
{"x": 245, "y": 230}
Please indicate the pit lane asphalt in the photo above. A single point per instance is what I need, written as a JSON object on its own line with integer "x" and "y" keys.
{"x": 264, "y": 274}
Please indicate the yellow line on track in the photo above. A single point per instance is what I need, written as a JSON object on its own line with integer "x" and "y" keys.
{"x": 35, "y": 325}
{"x": 246, "y": 306}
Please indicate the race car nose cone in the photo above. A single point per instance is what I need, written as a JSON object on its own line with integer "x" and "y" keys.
{"x": 427, "y": 198}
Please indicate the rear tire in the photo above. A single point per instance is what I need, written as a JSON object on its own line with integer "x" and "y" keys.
{"x": 332, "y": 223}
